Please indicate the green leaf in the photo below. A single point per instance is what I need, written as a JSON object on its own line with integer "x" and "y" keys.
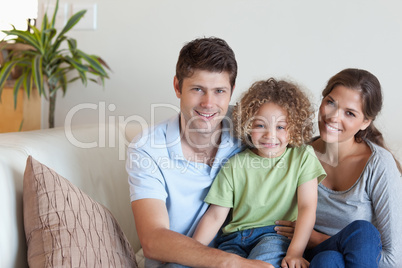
{"x": 63, "y": 84}
{"x": 56, "y": 45}
{"x": 73, "y": 79}
{"x": 101, "y": 61}
{"x": 56, "y": 79}
{"x": 5, "y": 73}
{"x": 93, "y": 63}
{"x": 45, "y": 22}
{"x": 21, "y": 124}
{"x": 25, "y": 63}
{"x": 72, "y": 43}
{"x": 28, "y": 53}
{"x": 54, "y": 14}
{"x": 37, "y": 73}
{"x": 103, "y": 80}
{"x": 38, "y": 36}
{"x": 77, "y": 65}
{"x": 16, "y": 89}
{"x": 71, "y": 22}
{"x": 28, "y": 83}
{"x": 27, "y": 37}
{"x": 47, "y": 36}
{"x": 96, "y": 81}
{"x": 83, "y": 77}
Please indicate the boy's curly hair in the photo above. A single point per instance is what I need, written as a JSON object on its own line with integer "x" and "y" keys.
{"x": 286, "y": 95}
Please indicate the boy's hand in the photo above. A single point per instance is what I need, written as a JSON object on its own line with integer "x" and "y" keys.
{"x": 294, "y": 262}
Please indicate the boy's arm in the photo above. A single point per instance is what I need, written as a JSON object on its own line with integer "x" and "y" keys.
{"x": 210, "y": 224}
{"x": 162, "y": 244}
{"x": 307, "y": 205}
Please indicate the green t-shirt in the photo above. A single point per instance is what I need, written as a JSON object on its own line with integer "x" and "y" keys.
{"x": 262, "y": 190}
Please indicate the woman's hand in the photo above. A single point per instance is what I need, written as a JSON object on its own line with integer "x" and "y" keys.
{"x": 287, "y": 228}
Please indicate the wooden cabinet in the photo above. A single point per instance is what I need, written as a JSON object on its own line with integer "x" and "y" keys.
{"x": 27, "y": 115}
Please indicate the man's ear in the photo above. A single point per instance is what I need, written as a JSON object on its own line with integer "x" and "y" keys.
{"x": 176, "y": 87}
{"x": 231, "y": 92}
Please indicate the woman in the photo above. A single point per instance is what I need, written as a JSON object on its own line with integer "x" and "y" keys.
{"x": 363, "y": 185}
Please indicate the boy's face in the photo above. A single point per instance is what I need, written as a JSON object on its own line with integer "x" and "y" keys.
{"x": 269, "y": 131}
{"x": 204, "y": 100}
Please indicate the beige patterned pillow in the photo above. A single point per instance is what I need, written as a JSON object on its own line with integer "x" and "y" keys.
{"x": 65, "y": 227}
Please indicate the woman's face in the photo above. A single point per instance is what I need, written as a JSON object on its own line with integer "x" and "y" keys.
{"x": 341, "y": 115}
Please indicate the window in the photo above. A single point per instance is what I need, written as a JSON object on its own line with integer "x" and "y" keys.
{"x": 16, "y": 13}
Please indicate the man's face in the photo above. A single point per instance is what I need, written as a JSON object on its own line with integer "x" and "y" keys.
{"x": 204, "y": 100}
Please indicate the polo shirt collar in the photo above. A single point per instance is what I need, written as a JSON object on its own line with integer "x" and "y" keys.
{"x": 173, "y": 136}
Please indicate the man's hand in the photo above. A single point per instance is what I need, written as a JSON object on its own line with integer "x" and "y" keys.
{"x": 242, "y": 262}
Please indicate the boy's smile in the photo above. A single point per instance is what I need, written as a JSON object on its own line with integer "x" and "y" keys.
{"x": 269, "y": 132}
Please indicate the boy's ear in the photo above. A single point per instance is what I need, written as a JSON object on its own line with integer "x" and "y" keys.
{"x": 176, "y": 87}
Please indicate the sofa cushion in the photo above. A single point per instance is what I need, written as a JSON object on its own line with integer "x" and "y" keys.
{"x": 65, "y": 227}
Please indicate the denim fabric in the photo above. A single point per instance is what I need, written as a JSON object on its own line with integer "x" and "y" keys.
{"x": 259, "y": 244}
{"x": 356, "y": 245}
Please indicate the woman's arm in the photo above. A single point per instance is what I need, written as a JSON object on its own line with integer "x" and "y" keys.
{"x": 210, "y": 224}
{"x": 307, "y": 204}
{"x": 384, "y": 189}
{"x": 287, "y": 228}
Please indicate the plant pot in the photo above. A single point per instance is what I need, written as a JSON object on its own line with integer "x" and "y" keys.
{"x": 26, "y": 116}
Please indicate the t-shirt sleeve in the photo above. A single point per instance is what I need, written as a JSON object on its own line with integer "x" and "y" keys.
{"x": 221, "y": 191}
{"x": 310, "y": 167}
{"x": 385, "y": 188}
{"x": 144, "y": 176}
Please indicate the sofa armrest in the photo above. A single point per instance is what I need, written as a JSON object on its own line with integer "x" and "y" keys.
{"x": 98, "y": 169}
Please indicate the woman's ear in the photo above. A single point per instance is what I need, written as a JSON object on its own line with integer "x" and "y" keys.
{"x": 365, "y": 124}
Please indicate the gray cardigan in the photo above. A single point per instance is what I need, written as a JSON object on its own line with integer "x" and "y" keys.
{"x": 376, "y": 197}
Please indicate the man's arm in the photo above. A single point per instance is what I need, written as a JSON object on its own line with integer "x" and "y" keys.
{"x": 160, "y": 243}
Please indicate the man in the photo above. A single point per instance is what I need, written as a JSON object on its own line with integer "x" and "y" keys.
{"x": 172, "y": 166}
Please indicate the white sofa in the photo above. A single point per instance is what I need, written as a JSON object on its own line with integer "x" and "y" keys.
{"x": 91, "y": 157}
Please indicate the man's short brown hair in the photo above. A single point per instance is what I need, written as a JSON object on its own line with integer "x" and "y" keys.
{"x": 209, "y": 54}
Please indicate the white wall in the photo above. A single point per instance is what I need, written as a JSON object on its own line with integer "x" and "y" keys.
{"x": 308, "y": 41}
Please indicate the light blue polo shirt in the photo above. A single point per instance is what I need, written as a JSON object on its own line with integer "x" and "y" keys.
{"x": 157, "y": 169}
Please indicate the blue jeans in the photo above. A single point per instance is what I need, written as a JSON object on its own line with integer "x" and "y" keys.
{"x": 356, "y": 245}
{"x": 258, "y": 244}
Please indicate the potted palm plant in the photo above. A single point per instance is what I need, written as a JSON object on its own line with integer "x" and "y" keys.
{"x": 51, "y": 61}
